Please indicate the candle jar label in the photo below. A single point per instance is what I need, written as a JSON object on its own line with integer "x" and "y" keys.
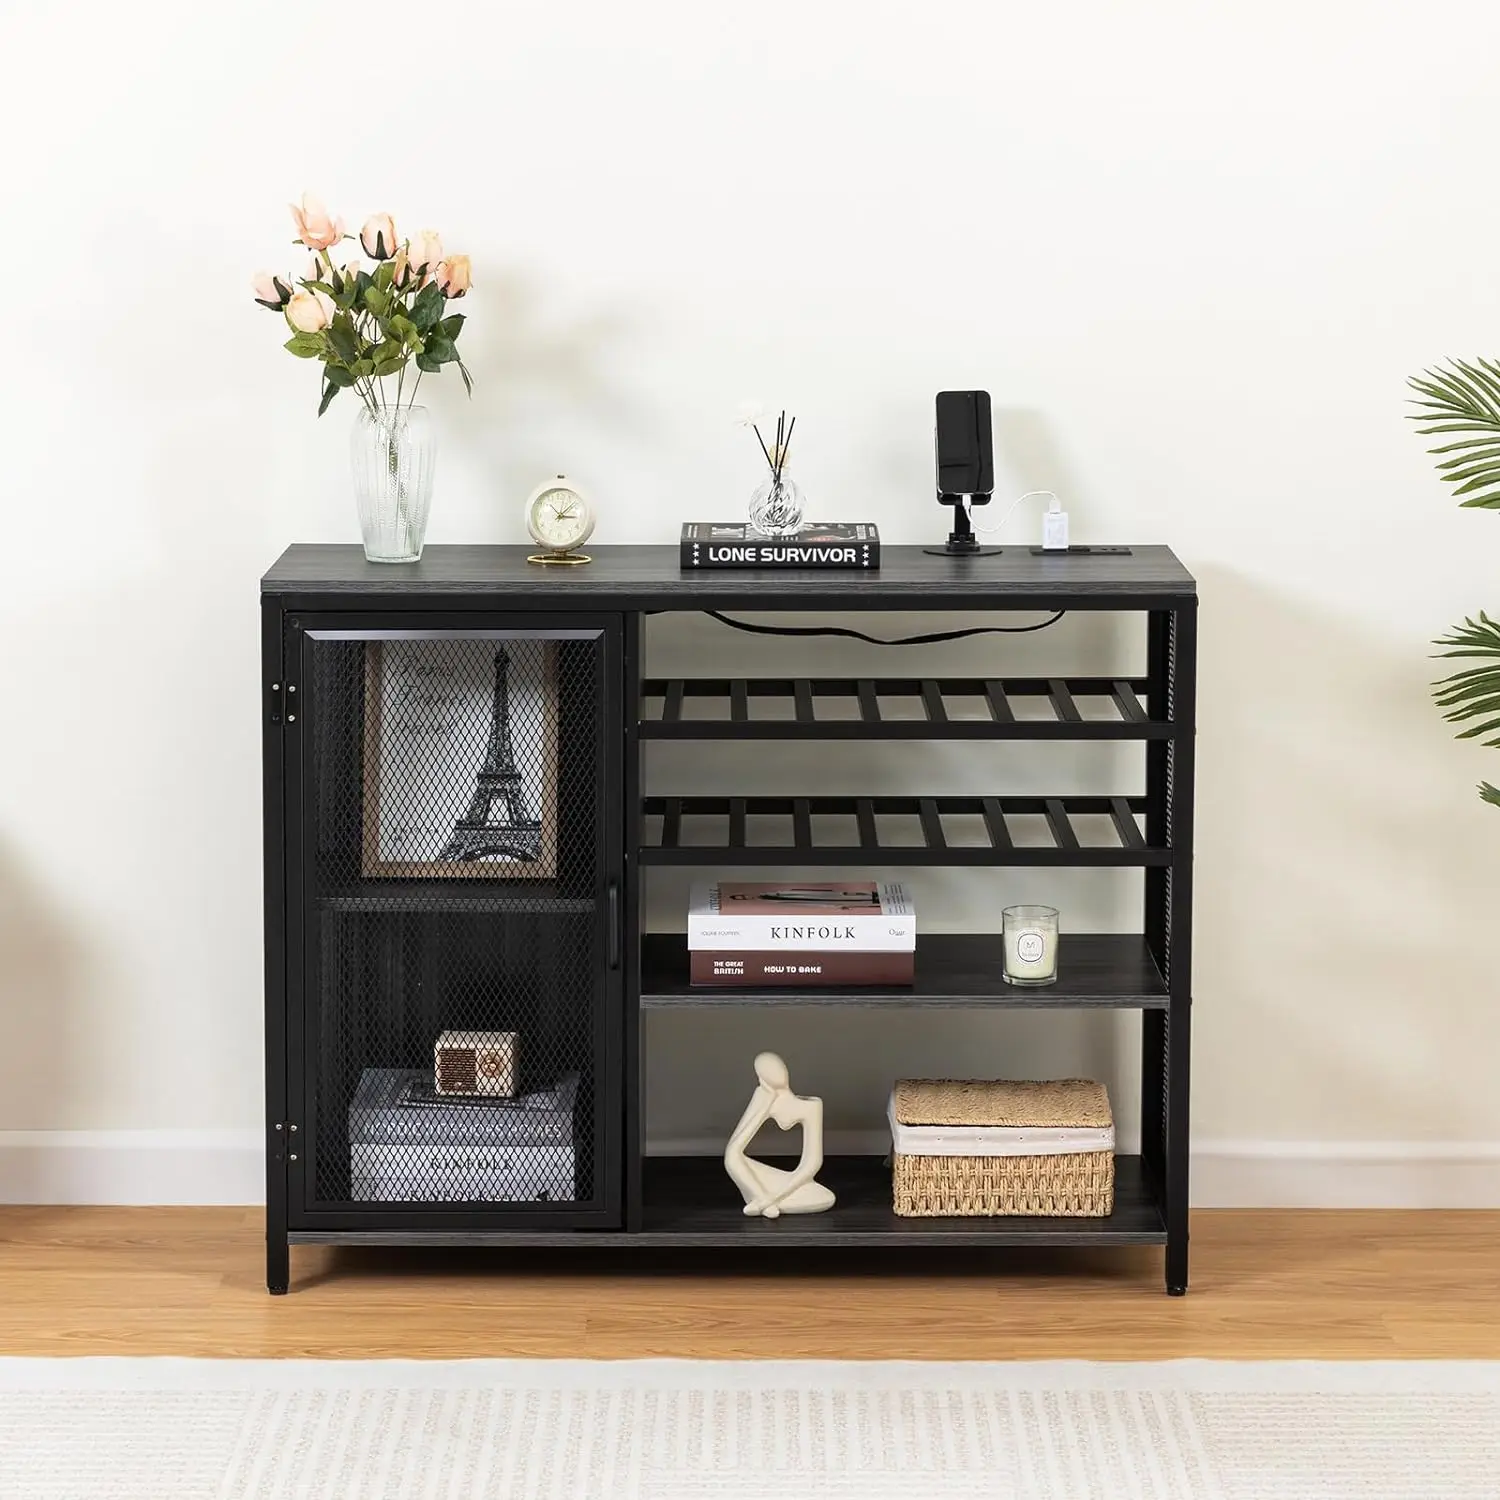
{"x": 1029, "y": 947}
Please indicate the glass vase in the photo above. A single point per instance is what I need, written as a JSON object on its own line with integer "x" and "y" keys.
{"x": 393, "y": 452}
{"x": 776, "y": 508}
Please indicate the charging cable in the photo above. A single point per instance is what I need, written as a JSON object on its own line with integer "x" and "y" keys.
{"x": 991, "y": 530}
{"x": 908, "y": 640}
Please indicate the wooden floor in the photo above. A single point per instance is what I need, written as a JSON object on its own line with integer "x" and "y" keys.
{"x": 1265, "y": 1285}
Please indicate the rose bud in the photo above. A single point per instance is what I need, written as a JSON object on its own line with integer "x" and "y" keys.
{"x": 452, "y": 275}
{"x": 310, "y": 312}
{"x": 350, "y": 273}
{"x": 425, "y": 250}
{"x": 271, "y": 291}
{"x": 401, "y": 274}
{"x": 378, "y": 237}
{"x": 315, "y": 227}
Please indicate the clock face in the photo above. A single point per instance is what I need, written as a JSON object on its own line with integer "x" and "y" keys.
{"x": 559, "y": 518}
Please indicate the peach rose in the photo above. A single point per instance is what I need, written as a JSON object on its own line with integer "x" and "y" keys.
{"x": 401, "y": 270}
{"x": 425, "y": 250}
{"x": 315, "y": 227}
{"x": 271, "y": 291}
{"x": 378, "y": 237}
{"x": 453, "y": 276}
{"x": 310, "y": 312}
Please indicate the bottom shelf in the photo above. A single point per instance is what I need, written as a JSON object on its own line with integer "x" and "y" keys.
{"x": 690, "y": 1202}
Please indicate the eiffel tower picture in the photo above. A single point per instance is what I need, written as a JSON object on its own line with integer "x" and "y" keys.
{"x": 498, "y": 825}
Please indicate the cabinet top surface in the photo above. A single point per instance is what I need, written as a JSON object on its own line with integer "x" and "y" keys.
{"x": 906, "y": 574}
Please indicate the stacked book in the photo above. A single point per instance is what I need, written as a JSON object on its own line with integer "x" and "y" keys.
{"x": 817, "y": 544}
{"x": 410, "y": 1144}
{"x": 833, "y": 932}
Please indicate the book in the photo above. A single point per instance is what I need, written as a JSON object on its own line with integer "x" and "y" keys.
{"x": 548, "y": 1180}
{"x": 795, "y": 970}
{"x": 822, "y": 916}
{"x": 416, "y": 1159}
{"x": 402, "y": 1106}
{"x": 819, "y": 544}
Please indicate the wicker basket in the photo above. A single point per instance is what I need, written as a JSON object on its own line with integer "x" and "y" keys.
{"x": 1066, "y": 1184}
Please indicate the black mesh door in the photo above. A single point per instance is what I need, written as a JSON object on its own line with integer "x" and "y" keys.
{"x": 460, "y": 961}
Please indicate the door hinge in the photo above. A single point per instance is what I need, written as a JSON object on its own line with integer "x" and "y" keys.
{"x": 283, "y": 702}
{"x": 285, "y": 1144}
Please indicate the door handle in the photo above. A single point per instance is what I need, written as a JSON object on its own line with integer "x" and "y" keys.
{"x": 614, "y": 924}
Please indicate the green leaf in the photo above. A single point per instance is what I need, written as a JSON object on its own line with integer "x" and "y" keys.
{"x": 426, "y": 362}
{"x": 377, "y": 301}
{"x": 463, "y": 370}
{"x": 1491, "y": 794}
{"x": 384, "y": 274}
{"x": 451, "y": 325}
{"x": 329, "y": 392}
{"x": 1471, "y": 697}
{"x": 388, "y": 357}
{"x": 338, "y": 375}
{"x": 441, "y": 349}
{"x": 363, "y": 369}
{"x": 403, "y": 327}
{"x": 1492, "y": 727}
{"x": 326, "y": 287}
{"x": 305, "y": 345}
{"x": 427, "y": 308}
{"x": 342, "y": 338}
{"x": 1464, "y": 397}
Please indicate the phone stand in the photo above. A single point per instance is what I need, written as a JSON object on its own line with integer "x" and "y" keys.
{"x": 961, "y": 540}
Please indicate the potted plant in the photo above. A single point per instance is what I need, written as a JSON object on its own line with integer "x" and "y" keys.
{"x": 1464, "y": 399}
{"x": 367, "y": 325}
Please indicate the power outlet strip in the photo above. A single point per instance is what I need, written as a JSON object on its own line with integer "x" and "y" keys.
{"x": 1077, "y": 550}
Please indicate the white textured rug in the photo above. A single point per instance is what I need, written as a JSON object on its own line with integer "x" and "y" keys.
{"x": 113, "y": 1429}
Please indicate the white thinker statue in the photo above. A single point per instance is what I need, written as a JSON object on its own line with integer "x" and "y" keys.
{"x": 773, "y": 1191}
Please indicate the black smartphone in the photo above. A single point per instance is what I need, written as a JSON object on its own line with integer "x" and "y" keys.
{"x": 965, "y": 443}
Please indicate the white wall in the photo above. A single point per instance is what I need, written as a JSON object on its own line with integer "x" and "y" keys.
{"x": 1192, "y": 251}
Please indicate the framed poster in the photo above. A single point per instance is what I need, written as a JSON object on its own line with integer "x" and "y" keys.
{"x": 460, "y": 758}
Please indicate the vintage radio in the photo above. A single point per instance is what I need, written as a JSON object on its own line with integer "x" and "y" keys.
{"x": 477, "y": 1062}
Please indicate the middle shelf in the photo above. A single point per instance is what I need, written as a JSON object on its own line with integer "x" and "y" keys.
{"x": 1066, "y": 831}
{"x": 1105, "y": 971}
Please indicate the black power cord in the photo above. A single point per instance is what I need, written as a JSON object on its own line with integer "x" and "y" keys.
{"x": 859, "y": 635}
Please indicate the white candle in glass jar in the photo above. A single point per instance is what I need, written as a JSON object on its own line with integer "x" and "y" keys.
{"x": 1030, "y": 938}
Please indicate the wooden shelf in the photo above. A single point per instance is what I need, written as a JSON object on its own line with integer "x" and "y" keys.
{"x": 689, "y": 1199}
{"x": 688, "y": 1202}
{"x": 946, "y": 708}
{"x": 795, "y": 839}
{"x": 1095, "y": 970}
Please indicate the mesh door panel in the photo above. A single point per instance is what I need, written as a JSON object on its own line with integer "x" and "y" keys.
{"x": 455, "y": 964}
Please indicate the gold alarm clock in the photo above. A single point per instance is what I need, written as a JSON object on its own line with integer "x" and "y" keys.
{"x": 560, "y": 519}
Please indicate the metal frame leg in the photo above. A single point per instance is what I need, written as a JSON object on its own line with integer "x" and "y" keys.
{"x": 1182, "y": 654}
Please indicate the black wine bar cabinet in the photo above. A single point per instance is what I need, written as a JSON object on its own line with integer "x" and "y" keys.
{"x": 455, "y": 841}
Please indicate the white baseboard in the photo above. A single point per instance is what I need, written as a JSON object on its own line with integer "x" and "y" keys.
{"x": 227, "y": 1167}
{"x": 1346, "y": 1174}
{"x": 1281, "y": 1174}
{"x": 132, "y": 1166}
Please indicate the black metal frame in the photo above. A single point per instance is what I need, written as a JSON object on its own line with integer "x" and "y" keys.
{"x": 293, "y": 1213}
{"x": 661, "y": 1199}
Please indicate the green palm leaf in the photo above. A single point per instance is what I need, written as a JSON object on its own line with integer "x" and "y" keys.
{"x": 1472, "y": 696}
{"x": 1464, "y": 397}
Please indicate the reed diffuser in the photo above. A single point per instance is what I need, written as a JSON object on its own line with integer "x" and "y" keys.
{"x": 776, "y": 507}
